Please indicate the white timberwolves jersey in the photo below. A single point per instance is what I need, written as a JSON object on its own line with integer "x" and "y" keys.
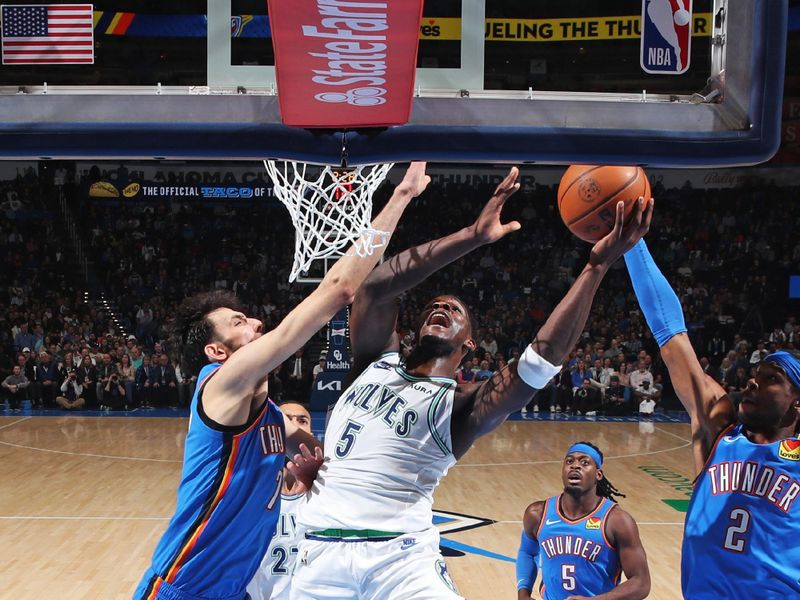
{"x": 387, "y": 446}
{"x": 271, "y": 581}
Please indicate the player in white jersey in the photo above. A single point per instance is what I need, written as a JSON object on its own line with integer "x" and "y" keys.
{"x": 400, "y": 425}
{"x": 273, "y": 579}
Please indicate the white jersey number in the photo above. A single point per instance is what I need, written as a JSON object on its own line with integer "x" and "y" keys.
{"x": 734, "y": 538}
{"x": 568, "y": 577}
{"x": 277, "y": 493}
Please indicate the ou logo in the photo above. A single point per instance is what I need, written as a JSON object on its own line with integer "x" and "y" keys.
{"x": 337, "y": 355}
{"x": 363, "y": 96}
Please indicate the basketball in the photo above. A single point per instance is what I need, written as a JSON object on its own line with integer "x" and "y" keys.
{"x": 588, "y": 194}
{"x": 681, "y": 17}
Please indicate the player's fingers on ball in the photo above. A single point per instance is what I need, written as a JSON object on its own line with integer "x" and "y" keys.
{"x": 638, "y": 214}
{"x": 619, "y": 215}
{"x": 648, "y": 218}
{"x": 647, "y": 215}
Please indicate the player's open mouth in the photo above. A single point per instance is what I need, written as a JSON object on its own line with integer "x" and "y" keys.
{"x": 439, "y": 318}
{"x": 574, "y": 477}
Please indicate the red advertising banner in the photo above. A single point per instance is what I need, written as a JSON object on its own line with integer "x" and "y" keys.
{"x": 345, "y": 63}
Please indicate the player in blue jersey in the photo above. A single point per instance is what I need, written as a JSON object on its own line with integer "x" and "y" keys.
{"x": 581, "y": 538}
{"x": 743, "y": 522}
{"x": 229, "y": 494}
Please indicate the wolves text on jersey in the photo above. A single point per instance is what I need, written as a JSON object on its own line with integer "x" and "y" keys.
{"x": 381, "y": 401}
{"x": 754, "y": 479}
{"x": 571, "y": 544}
{"x": 287, "y": 526}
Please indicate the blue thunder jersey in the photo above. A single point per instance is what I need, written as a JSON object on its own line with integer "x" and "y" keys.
{"x": 742, "y": 533}
{"x": 574, "y": 556}
{"x": 228, "y": 505}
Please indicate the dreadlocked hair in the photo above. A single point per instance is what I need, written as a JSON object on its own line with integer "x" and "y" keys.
{"x": 191, "y": 328}
{"x": 604, "y": 487}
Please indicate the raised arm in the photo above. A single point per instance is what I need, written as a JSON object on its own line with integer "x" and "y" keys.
{"x": 511, "y": 388}
{"x": 374, "y": 313}
{"x": 705, "y": 400}
{"x": 233, "y": 387}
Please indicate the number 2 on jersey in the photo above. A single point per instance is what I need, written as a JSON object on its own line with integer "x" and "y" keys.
{"x": 734, "y": 538}
{"x": 348, "y": 437}
{"x": 281, "y": 554}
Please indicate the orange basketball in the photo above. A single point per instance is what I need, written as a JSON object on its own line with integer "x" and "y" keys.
{"x": 588, "y": 194}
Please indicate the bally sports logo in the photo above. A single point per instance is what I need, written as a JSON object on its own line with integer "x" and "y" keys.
{"x": 593, "y": 523}
{"x": 790, "y": 450}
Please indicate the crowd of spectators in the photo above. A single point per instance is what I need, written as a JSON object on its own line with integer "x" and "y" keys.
{"x": 727, "y": 253}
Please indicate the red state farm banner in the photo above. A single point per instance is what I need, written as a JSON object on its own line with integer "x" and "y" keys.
{"x": 345, "y": 63}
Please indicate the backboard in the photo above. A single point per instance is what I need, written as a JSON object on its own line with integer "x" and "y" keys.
{"x": 502, "y": 81}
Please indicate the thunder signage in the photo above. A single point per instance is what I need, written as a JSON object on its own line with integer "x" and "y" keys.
{"x": 345, "y": 64}
{"x": 666, "y": 36}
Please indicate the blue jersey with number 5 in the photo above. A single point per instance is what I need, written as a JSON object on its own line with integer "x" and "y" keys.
{"x": 742, "y": 534}
{"x": 575, "y": 556}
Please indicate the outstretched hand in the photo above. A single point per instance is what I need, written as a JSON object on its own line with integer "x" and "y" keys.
{"x": 623, "y": 237}
{"x": 487, "y": 227}
{"x": 304, "y": 467}
{"x": 415, "y": 180}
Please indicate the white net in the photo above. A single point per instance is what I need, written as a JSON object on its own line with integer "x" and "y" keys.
{"x": 330, "y": 207}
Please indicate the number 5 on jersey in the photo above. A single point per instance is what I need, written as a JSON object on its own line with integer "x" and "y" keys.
{"x": 568, "y": 577}
{"x": 347, "y": 439}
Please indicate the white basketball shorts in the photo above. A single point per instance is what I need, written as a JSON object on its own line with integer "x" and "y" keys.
{"x": 404, "y": 568}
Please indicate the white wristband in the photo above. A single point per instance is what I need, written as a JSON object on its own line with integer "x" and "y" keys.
{"x": 534, "y": 370}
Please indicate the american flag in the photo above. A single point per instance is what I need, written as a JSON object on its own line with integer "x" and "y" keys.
{"x": 48, "y": 34}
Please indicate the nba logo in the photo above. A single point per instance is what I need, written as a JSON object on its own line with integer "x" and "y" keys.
{"x": 666, "y": 36}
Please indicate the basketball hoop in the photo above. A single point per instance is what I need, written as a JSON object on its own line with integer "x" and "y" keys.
{"x": 330, "y": 207}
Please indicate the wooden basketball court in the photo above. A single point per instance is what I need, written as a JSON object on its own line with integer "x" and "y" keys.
{"x": 83, "y": 500}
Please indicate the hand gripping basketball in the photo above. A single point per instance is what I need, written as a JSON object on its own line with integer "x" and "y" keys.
{"x": 623, "y": 237}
